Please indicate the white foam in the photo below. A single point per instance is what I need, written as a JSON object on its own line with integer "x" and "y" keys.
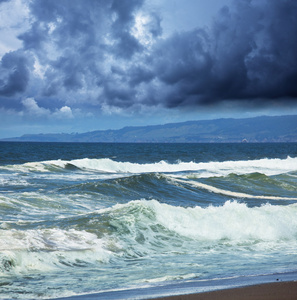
{"x": 233, "y": 220}
{"x": 48, "y": 240}
{"x": 6, "y": 181}
{"x": 168, "y": 278}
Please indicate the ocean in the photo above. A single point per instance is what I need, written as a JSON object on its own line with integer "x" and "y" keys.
{"x": 134, "y": 221}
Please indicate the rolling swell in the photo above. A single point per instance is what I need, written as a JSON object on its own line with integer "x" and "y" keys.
{"x": 133, "y": 187}
{"x": 120, "y": 219}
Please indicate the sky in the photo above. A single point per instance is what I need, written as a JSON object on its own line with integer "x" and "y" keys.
{"x": 84, "y": 65}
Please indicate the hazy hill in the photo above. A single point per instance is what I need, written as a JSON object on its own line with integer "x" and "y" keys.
{"x": 259, "y": 129}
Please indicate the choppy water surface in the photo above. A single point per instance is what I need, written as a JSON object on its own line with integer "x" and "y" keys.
{"x": 85, "y": 218}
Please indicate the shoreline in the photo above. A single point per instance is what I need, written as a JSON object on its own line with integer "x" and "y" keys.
{"x": 265, "y": 291}
{"x": 264, "y": 287}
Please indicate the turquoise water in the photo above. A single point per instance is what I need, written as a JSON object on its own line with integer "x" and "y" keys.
{"x": 92, "y": 218}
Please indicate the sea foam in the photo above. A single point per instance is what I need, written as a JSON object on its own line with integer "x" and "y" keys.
{"x": 48, "y": 249}
{"x": 265, "y": 166}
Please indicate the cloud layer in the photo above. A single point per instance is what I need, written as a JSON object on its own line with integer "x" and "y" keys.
{"x": 111, "y": 55}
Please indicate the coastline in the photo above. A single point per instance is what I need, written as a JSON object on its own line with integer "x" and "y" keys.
{"x": 265, "y": 291}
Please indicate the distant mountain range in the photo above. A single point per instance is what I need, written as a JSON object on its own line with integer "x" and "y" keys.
{"x": 255, "y": 130}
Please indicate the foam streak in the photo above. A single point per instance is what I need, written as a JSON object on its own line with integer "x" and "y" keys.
{"x": 229, "y": 193}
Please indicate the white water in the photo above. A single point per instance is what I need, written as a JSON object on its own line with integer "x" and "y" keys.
{"x": 46, "y": 250}
{"x": 234, "y": 221}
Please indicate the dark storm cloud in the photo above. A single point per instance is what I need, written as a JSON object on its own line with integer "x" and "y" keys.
{"x": 183, "y": 64}
{"x": 90, "y": 53}
{"x": 14, "y": 70}
{"x": 262, "y": 41}
{"x": 248, "y": 53}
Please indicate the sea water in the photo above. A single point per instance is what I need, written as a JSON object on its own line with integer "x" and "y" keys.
{"x": 79, "y": 219}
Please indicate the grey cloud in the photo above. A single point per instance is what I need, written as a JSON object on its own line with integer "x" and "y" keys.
{"x": 62, "y": 25}
{"x": 73, "y": 41}
{"x": 72, "y": 69}
{"x": 34, "y": 38}
{"x": 139, "y": 74}
{"x": 126, "y": 44}
{"x": 89, "y": 55}
{"x": 119, "y": 95}
{"x": 154, "y": 26}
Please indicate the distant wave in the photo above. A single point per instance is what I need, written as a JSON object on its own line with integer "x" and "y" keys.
{"x": 209, "y": 169}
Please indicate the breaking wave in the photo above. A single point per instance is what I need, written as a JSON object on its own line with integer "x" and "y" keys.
{"x": 141, "y": 228}
{"x": 233, "y": 221}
